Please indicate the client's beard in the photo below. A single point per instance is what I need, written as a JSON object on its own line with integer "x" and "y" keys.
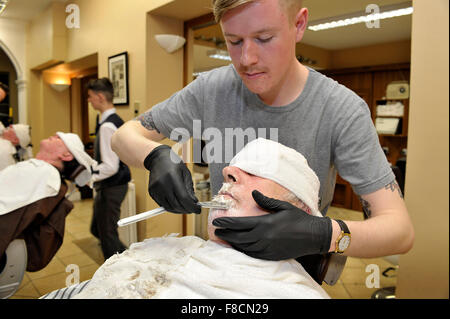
{"x": 216, "y": 213}
{"x": 226, "y": 187}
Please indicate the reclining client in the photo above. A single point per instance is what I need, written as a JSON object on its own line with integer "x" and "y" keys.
{"x": 190, "y": 267}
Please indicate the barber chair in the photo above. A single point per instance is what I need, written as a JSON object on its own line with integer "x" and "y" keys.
{"x": 324, "y": 268}
{"x": 12, "y": 268}
{"x": 30, "y": 237}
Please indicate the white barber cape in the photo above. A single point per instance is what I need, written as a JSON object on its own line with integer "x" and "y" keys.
{"x": 189, "y": 267}
{"x": 7, "y": 151}
{"x": 27, "y": 182}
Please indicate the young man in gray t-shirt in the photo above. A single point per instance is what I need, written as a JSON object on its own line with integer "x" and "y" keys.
{"x": 268, "y": 93}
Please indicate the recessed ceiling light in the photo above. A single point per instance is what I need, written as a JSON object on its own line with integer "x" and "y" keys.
{"x": 360, "y": 17}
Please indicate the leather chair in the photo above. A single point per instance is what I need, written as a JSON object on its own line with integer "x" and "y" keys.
{"x": 30, "y": 236}
{"x": 324, "y": 268}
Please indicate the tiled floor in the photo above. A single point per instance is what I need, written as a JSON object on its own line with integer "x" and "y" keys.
{"x": 82, "y": 249}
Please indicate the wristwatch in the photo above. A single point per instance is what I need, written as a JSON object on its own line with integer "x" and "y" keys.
{"x": 344, "y": 239}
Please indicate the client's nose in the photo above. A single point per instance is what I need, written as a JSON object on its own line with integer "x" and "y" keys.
{"x": 231, "y": 174}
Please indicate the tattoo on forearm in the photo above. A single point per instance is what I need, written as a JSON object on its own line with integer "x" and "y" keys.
{"x": 394, "y": 187}
{"x": 147, "y": 122}
{"x": 366, "y": 206}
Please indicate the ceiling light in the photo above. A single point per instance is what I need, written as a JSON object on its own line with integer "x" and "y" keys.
{"x": 3, "y": 4}
{"x": 361, "y": 17}
{"x": 219, "y": 54}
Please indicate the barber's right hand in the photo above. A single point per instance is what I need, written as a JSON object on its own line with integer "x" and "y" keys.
{"x": 170, "y": 183}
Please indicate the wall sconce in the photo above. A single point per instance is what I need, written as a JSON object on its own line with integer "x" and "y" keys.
{"x": 170, "y": 42}
{"x": 59, "y": 86}
{"x": 58, "y": 81}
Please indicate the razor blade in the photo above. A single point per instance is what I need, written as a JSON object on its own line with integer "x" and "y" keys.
{"x": 214, "y": 205}
{"x": 158, "y": 211}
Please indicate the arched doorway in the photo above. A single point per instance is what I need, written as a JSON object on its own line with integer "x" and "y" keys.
{"x": 16, "y": 81}
{"x": 8, "y": 76}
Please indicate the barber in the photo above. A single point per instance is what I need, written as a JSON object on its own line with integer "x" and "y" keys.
{"x": 269, "y": 88}
{"x": 111, "y": 176}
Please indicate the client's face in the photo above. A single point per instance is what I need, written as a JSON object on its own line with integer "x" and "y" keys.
{"x": 54, "y": 151}
{"x": 237, "y": 189}
{"x": 54, "y": 144}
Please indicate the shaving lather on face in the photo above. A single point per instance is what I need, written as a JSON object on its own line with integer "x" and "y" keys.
{"x": 266, "y": 236}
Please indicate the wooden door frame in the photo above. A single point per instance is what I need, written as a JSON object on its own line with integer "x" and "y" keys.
{"x": 188, "y": 57}
{"x": 189, "y": 27}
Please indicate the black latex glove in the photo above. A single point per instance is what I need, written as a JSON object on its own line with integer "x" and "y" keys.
{"x": 170, "y": 183}
{"x": 287, "y": 232}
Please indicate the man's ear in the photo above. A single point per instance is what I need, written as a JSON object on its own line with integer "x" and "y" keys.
{"x": 66, "y": 157}
{"x": 301, "y": 22}
{"x": 101, "y": 97}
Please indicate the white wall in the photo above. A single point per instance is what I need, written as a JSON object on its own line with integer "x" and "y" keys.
{"x": 423, "y": 272}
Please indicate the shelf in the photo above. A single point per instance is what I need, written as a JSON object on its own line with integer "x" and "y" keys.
{"x": 392, "y": 100}
{"x": 393, "y": 135}
{"x": 391, "y": 116}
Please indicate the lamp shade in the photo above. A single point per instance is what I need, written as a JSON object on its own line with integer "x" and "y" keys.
{"x": 170, "y": 42}
{"x": 59, "y": 86}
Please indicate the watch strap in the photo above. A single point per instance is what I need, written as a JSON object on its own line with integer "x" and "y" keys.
{"x": 343, "y": 226}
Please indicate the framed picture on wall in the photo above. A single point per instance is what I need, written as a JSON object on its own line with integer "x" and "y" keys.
{"x": 118, "y": 74}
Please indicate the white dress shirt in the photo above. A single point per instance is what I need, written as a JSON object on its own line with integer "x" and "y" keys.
{"x": 110, "y": 160}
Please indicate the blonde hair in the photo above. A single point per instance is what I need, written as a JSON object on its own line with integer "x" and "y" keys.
{"x": 220, "y": 7}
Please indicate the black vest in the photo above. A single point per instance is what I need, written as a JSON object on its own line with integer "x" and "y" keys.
{"x": 123, "y": 176}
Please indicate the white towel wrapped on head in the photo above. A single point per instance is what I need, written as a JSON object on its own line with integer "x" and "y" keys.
{"x": 283, "y": 165}
{"x": 23, "y": 134}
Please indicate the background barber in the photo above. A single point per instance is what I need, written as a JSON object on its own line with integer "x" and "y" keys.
{"x": 111, "y": 177}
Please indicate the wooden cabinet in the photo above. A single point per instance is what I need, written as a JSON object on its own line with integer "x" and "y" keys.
{"x": 370, "y": 84}
{"x": 395, "y": 143}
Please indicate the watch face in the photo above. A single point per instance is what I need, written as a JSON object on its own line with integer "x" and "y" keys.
{"x": 344, "y": 243}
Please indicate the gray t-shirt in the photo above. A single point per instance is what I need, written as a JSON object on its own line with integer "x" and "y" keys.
{"x": 328, "y": 123}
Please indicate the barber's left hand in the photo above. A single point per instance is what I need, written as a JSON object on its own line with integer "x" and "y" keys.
{"x": 287, "y": 232}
